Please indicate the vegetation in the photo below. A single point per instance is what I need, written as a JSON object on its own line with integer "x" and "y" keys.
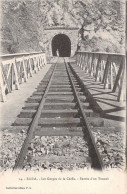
{"x": 101, "y": 23}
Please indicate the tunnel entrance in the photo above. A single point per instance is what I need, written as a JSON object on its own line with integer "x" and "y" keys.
{"x": 61, "y": 46}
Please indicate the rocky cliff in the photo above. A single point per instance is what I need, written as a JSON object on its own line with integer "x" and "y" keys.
{"x": 100, "y": 22}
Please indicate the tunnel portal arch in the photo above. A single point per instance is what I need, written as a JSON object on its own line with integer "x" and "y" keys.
{"x": 51, "y": 31}
{"x": 61, "y": 45}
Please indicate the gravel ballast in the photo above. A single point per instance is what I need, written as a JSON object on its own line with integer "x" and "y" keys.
{"x": 111, "y": 147}
{"x": 11, "y": 144}
{"x": 57, "y": 152}
{"x": 61, "y": 152}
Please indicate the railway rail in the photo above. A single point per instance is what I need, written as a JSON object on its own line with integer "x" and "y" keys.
{"x": 59, "y": 108}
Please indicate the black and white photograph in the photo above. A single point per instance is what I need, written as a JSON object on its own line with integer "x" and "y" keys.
{"x": 63, "y": 96}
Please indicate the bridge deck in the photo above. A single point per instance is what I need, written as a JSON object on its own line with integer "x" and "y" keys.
{"x": 104, "y": 99}
{"x": 15, "y": 100}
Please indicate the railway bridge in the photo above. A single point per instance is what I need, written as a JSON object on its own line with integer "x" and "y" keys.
{"x": 64, "y": 113}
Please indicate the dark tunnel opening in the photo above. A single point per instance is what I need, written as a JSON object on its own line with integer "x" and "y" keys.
{"x": 61, "y": 46}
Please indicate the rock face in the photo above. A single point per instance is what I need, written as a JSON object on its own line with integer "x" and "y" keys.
{"x": 103, "y": 26}
{"x": 21, "y": 29}
{"x": 101, "y": 23}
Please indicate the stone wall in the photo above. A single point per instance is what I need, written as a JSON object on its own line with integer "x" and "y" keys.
{"x": 49, "y": 34}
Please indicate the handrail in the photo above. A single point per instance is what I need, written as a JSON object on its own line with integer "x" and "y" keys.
{"x": 103, "y": 53}
{"x": 17, "y": 68}
{"x": 102, "y": 66}
{"x": 20, "y": 54}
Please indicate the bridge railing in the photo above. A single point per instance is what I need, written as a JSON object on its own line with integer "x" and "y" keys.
{"x": 107, "y": 68}
{"x": 17, "y": 68}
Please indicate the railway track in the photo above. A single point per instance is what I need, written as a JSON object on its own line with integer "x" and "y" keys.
{"x": 58, "y": 109}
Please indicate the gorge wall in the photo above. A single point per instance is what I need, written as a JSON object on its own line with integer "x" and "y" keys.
{"x": 101, "y": 23}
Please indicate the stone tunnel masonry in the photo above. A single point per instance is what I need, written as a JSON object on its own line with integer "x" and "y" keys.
{"x": 51, "y": 32}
